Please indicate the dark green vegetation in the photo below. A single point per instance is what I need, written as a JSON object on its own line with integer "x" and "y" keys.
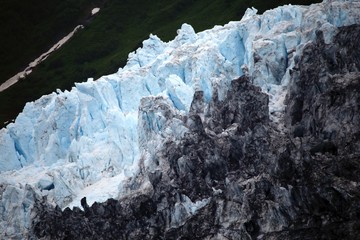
{"x": 31, "y": 27}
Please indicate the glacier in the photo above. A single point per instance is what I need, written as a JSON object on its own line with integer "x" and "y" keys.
{"x": 95, "y": 139}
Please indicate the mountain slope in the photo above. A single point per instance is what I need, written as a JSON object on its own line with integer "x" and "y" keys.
{"x": 177, "y": 142}
{"x": 29, "y": 28}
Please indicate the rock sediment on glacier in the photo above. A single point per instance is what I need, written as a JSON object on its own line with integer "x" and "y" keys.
{"x": 221, "y": 162}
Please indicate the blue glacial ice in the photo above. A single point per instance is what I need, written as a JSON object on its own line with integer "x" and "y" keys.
{"x": 89, "y": 141}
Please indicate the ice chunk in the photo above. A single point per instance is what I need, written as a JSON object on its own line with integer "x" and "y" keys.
{"x": 179, "y": 93}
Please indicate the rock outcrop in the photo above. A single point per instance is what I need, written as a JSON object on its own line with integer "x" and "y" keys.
{"x": 234, "y": 173}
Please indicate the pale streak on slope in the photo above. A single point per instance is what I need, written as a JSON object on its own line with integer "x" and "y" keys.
{"x": 21, "y": 75}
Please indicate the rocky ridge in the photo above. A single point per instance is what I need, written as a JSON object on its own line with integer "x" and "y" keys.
{"x": 233, "y": 174}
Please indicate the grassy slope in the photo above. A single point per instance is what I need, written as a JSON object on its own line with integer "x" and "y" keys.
{"x": 120, "y": 27}
{"x": 28, "y": 28}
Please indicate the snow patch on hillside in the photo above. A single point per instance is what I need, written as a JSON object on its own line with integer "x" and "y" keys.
{"x": 21, "y": 75}
{"x": 95, "y": 11}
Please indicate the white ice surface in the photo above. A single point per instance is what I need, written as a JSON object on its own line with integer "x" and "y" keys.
{"x": 88, "y": 140}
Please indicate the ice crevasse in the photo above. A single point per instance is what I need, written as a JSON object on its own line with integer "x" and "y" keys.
{"x": 88, "y": 141}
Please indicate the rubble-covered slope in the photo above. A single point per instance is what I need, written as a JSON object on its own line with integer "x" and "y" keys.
{"x": 185, "y": 151}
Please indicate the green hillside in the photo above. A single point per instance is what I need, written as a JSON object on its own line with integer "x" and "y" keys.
{"x": 28, "y": 28}
{"x": 103, "y": 46}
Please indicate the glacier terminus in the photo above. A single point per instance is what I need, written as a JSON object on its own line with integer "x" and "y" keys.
{"x": 120, "y": 136}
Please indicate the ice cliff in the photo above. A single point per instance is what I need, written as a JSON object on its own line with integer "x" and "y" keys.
{"x": 182, "y": 147}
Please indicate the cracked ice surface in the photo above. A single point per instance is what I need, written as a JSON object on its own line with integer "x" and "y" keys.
{"x": 85, "y": 142}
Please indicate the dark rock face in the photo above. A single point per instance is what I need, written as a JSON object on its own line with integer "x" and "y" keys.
{"x": 234, "y": 175}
